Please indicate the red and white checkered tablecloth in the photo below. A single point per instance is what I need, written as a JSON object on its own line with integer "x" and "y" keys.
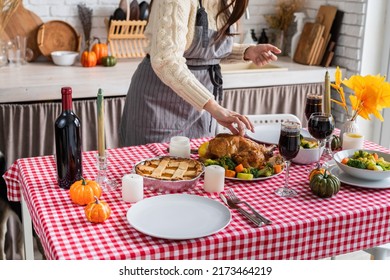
{"x": 304, "y": 227}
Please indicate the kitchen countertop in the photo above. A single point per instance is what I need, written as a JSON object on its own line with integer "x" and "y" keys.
{"x": 42, "y": 81}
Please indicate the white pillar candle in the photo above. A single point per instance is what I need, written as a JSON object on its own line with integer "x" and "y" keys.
{"x": 352, "y": 141}
{"x": 214, "y": 178}
{"x": 132, "y": 188}
{"x": 179, "y": 146}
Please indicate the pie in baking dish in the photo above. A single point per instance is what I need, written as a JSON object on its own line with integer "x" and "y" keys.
{"x": 170, "y": 168}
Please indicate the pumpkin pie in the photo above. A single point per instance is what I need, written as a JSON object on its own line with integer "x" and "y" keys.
{"x": 170, "y": 168}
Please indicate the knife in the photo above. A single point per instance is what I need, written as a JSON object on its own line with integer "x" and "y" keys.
{"x": 251, "y": 218}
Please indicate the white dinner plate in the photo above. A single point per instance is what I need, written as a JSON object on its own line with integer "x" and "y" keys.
{"x": 178, "y": 216}
{"x": 357, "y": 182}
{"x": 269, "y": 134}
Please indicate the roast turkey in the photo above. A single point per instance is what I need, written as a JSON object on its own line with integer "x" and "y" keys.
{"x": 241, "y": 150}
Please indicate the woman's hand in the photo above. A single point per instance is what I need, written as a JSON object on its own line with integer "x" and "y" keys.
{"x": 233, "y": 121}
{"x": 261, "y": 54}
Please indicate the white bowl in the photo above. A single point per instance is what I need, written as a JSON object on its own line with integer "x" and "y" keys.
{"x": 364, "y": 174}
{"x": 64, "y": 58}
{"x": 308, "y": 156}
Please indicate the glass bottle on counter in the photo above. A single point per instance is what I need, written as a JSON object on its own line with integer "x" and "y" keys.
{"x": 68, "y": 143}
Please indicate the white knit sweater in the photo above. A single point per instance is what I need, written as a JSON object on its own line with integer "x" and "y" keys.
{"x": 170, "y": 31}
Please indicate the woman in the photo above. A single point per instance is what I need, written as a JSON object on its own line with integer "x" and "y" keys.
{"x": 176, "y": 88}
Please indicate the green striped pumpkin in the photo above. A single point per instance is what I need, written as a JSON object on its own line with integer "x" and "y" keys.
{"x": 325, "y": 185}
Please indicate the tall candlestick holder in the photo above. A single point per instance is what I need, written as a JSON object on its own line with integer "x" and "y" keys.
{"x": 102, "y": 178}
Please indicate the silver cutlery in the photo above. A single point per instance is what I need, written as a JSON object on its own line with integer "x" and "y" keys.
{"x": 234, "y": 199}
{"x": 251, "y": 218}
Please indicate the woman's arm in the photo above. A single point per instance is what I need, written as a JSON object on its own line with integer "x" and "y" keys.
{"x": 169, "y": 23}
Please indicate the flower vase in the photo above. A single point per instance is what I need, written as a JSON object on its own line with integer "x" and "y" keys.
{"x": 280, "y": 41}
{"x": 348, "y": 126}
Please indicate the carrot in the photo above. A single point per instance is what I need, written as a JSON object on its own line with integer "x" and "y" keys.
{"x": 239, "y": 168}
{"x": 277, "y": 168}
{"x": 376, "y": 157}
{"x": 230, "y": 173}
{"x": 345, "y": 160}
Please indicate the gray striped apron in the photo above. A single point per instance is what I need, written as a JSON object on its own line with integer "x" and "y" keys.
{"x": 153, "y": 112}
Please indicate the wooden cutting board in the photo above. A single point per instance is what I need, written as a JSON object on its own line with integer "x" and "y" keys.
{"x": 309, "y": 40}
{"x": 325, "y": 16}
{"x": 24, "y": 23}
{"x": 57, "y": 35}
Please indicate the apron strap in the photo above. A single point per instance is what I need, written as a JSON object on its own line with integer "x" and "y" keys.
{"x": 201, "y": 20}
{"x": 215, "y": 77}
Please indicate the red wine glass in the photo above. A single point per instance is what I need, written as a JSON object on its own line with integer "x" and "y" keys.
{"x": 321, "y": 126}
{"x": 289, "y": 144}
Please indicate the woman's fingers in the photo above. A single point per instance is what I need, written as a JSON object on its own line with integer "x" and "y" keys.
{"x": 240, "y": 124}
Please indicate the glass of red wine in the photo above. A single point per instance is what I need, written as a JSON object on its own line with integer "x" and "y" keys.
{"x": 313, "y": 104}
{"x": 321, "y": 126}
{"x": 289, "y": 144}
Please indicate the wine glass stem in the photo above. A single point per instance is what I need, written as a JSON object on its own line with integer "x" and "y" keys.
{"x": 286, "y": 176}
{"x": 320, "y": 143}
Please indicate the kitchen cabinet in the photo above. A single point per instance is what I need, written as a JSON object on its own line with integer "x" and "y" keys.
{"x": 30, "y": 99}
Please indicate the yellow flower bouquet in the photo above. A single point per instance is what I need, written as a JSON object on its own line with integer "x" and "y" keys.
{"x": 371, "y": 94}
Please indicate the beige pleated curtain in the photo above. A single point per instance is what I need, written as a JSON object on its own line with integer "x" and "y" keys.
{"x": 27, "y": 130}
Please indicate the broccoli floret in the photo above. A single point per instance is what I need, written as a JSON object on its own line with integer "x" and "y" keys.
{"x": 210, "y": 161}
{"x": 254, "y": 171}
{"x": 266, "y": 171}
{"x": 360, "y": 154}
{"x": 356, "y": 163}
{"x": 227, "y": 163}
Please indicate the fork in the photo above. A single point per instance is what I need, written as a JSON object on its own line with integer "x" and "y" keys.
{"x": 233, "y": 198}
{"x": 245, "y": 213}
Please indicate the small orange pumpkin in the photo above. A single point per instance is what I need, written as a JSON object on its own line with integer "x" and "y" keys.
{"x": 316, "y": 171}
{"x": 97, "y": 211}
{"x": 100, "y": 49}
{"x": 83, "y": 191}
{"x": 88, "y": 59}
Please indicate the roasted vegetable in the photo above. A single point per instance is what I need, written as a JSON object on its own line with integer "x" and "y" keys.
{"x": 108, "y": 61}
{"x": 308, "y": 144}
{"x": 227, "y": 163}
{"x": 356, "y": 163}
{"x": 210, "y": 161}
{"x": 266, "y": 171}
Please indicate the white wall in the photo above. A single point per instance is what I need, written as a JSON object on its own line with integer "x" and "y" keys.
{"x": 66, "y": 10}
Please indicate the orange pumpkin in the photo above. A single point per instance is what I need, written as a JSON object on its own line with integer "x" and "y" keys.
{"x": 316, "y": 171}
{"x": 97, "y": 211}
{"x": 84, "y": 191}
{"x": 100, "y": 49}
{"x": 88, "y": 59}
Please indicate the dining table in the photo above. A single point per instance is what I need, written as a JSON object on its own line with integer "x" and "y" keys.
{"x": 304, "y": 227}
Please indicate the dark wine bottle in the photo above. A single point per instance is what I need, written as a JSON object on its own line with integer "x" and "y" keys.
{"x": 68, "y": 143}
